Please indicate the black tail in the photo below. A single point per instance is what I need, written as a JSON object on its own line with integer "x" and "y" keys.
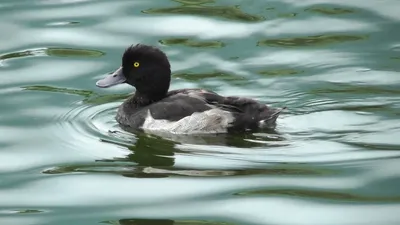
{"x": 270, "y": 121}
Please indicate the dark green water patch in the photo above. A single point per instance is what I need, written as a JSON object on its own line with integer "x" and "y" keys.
{"x": 64, "y": 23}
{"x": 83, "y": 93}
{"x": 329, "y": 10}
{"x": 93, "y": 168}
{"x": 316, "y": 40}
{"x": 287, "y": 15}
{"x": 192, "y": 43}
{"x": 194, "y": 2}
{"x": 329, "y": 195}
{"x": 17, "y": 54}
{"x": 23, "y": 211}
{"x": 280, "y": 72}
{"x": 357, "y": 89}
{"x": 59, "y": 52}
{"x": 233, "y": 13}
{"x": 234, "y": 58}
{"x": 71, "y": 52}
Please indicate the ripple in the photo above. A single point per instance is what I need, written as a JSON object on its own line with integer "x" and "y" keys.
{"x": 88, "y": 122}
{"x": 316, "y": 40}
{"x": 93, "y": 121}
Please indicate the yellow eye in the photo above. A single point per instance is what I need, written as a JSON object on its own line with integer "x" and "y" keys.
{"x": 136, "y": 64}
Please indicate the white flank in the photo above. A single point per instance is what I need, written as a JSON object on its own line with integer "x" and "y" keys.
{"x": 210, "y": 121}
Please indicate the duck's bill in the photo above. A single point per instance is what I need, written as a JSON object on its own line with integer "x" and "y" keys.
{"x": 115, "y": 78}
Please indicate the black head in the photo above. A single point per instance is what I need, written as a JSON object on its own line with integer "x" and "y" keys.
{"x": 146, "y": 68}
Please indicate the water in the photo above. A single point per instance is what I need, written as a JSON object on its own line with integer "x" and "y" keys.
{"x": 334, "y": 158}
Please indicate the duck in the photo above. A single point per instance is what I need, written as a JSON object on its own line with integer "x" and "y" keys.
{"x": 153, "y": 107}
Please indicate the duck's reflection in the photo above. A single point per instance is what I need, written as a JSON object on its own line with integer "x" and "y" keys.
{"x": 154, "y": 155}
{"x": 150, "y": 152}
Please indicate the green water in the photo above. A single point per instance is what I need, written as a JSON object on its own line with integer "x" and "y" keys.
{"x": 334, "y": 158}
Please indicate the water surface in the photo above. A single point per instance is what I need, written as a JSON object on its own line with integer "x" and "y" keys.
{"x": 333, "y": 159}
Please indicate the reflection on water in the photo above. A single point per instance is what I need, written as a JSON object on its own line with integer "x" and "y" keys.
{"x": 333, "y": 159}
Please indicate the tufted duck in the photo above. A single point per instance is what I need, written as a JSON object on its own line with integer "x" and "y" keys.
{"x": 183, "y": 111}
